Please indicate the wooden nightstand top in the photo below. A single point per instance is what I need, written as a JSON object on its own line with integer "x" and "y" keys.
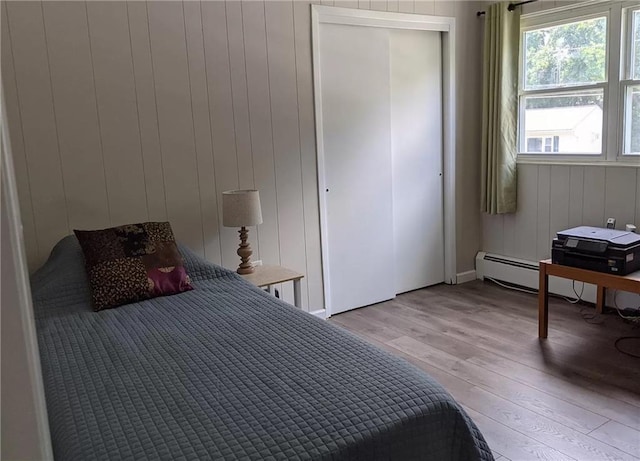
{"x": 270, "y": 275}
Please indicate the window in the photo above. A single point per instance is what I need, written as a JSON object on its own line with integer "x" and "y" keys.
{"x": 573, "y": 65}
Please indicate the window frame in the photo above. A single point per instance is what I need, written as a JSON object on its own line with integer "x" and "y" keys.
{"x": 627, "y": 81}
{"x": 613, "y": 88}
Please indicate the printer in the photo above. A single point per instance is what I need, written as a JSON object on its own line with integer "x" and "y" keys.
{"x": 597, "y": 249}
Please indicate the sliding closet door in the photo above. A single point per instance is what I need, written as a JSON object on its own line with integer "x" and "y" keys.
{"x": 381, "y": 105}
{"x": 416, "y": 144}
{"x": 356, "y": 117}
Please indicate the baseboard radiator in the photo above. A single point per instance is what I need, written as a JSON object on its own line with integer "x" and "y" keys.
{"x": 524, "y": 273}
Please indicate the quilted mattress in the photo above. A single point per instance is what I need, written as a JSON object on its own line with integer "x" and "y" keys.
{"x": 226, "y": 371}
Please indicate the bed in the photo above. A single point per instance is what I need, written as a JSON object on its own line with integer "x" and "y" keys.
{"x": 226, "y": 371}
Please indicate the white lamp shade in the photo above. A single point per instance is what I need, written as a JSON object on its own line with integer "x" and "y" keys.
{"x": 241, "y": 208}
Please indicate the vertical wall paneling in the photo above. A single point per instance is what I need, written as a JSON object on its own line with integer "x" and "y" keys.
{"x": 493, "y": 231}
{"x": 468, "y": 134}
{"x": 118, "y": 114}
{"x": 576, "y": 196}
{"x": 392, "y": 6}
{"x": 547, "y": 4}
{"x": 240, "y": 104}
{"x": 445, "y": 8}
{"x": 620, "y": 192}
{"x": 637, "y": 221}
{"x": 239, "y": 94}
{"x": 542, "y": 221}
{"x": 255, "y": 49}
{"x": 74, "y": 96}
{"x": 175, "y": 121}
{"x": 527, "y": 214}
{"x": 559, "y": 200}
{"x": 286, "y": 137}
{"x": 16, "y": 136}
{"x": 553, "y": 198}
{"x": 404, "y": 6}
{"x": 147, "y": 110}
{"x": 306, "y": 120}
{"x": 509, "y": 233}
{"x": 37, "y": 118}
{"x": 345, "y": 3}
{"x": 364, "y": 4}
{"x": 202, "y": 131}
{"x": 378, "y": 5}
{"x": 425, "y": 7}
{"x": 593, "y": 193}
{"x": 225, "y": 156}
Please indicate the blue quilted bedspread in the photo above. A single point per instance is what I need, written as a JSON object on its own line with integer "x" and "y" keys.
{"x": 227, "y": 372}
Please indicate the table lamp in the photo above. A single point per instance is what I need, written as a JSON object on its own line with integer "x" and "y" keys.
{"x": 241, "y": 208}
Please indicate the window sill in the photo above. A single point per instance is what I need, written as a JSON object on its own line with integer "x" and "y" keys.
{"x": 631, "y": 163}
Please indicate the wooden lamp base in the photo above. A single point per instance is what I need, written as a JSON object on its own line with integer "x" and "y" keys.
{"x": 245, "y": 252}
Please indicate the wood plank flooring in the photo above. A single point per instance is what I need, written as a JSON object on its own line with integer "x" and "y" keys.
{"x": 572, "y": 396}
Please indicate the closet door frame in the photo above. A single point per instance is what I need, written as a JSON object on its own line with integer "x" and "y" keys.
{"x": 446, "y": 26}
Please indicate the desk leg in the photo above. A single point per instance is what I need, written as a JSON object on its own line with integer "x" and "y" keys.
{"x": 600, "y": 299}
{"x": 543, "y": 302}
{"x": 297, "y": 295}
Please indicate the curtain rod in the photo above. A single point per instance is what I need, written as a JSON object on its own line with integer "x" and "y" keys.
{"x": 511, "y": 7}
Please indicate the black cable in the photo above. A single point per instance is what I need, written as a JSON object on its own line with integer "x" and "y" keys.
{"x": 626, "y": 338}
{"x": 592, "y": 319}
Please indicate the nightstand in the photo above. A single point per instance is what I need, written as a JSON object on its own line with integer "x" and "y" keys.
{"x": 265, "y": 276}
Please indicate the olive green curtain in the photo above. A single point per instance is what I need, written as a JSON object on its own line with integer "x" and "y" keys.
{"x": 500, "y": 109}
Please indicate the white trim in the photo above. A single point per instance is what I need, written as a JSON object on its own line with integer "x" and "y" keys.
{"x": 612, "y": 134}
{"x": 631, "y": 162}
{"x": 338, "y": 15}
{"x": 17, "y": 261}
{"x": 321, "y": 313}
{"x": 562, "y": 13}
{"x": 464, "y": 277}
{"x": 334, "y": 15}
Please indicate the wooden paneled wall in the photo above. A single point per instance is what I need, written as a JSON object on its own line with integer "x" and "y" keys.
{"x": 129, "y": 111}
{"x": 555, "y": 197}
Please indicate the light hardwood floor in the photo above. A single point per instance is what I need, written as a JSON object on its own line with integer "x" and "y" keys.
{"x": 572, "y": 396}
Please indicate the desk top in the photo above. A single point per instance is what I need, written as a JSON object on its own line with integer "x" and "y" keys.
{"x": 270, "y": 275}
{"x": 630, "y": 282}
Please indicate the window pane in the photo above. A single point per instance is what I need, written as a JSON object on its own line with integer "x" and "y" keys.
{"x": 632, "y": 121}
{"x": 568, "y": 124}
{"x": 636, "y": 45}
{"x": 566, "y": 55}
{"x": 534, "y": 144}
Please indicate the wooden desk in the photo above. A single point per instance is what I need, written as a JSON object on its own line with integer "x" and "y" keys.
{"x": 602, "y": 280}
{"x": 265, "y": 276}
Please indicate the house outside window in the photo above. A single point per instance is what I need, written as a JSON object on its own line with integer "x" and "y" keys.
{"x": 543, "y": 144}
{"x": 579, "y": 84}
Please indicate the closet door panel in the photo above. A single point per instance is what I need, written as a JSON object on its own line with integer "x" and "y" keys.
{"x": 416, "y": 144}
{"x": 357, "y": 165}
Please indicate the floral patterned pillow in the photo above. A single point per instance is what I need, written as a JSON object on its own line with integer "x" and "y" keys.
{"x": 130, "y": 263}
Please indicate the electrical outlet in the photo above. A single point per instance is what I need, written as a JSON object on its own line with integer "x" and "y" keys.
{"x": 256, "y": 263}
